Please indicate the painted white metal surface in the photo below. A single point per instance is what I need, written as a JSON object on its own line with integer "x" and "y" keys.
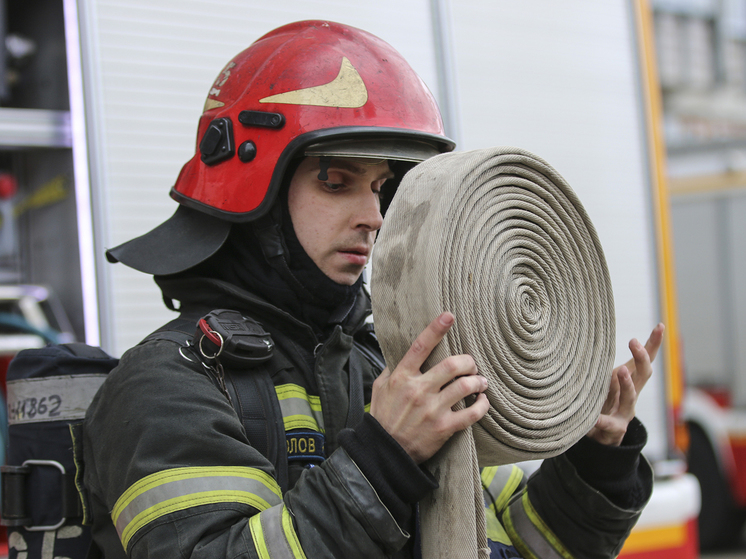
{"x": 698, "y": 407}
{"x": 84, "y": 214}
{"x": 711, "y": 267}
{"x": 699, "y": 258}
{"x": 737, "y": 254}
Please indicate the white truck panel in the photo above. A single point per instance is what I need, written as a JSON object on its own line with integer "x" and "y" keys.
{"x": 711, "y": 271}
{"x": 737, "y": 257}
{"x": 703, "y": 329}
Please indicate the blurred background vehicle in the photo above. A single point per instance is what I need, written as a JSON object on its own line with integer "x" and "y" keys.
{"x": 30, "y": 316}
{"x": 701, "y": 47}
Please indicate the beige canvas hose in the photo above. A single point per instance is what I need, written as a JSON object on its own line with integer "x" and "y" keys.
{"x": 498, "y": 238}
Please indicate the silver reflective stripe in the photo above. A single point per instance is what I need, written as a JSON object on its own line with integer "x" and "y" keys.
{"x": 63, "y": 398}
{"x": 163, "y": 493}
{"x": 274, "y": 535}
{"x": 299, "y": 410}
{"x": 501, "y": 482}
{"x": 529, "y": 534}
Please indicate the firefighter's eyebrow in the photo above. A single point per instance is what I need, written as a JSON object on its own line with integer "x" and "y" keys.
{"x": 357, "y": 168}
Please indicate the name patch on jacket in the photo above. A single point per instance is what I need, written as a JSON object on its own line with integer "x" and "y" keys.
{"x": 305, "y": 445}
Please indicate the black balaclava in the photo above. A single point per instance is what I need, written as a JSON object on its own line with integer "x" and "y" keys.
{"x": 293, "y": 283}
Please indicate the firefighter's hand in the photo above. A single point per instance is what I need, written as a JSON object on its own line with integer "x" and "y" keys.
{"x": 415, "y": 408}
{"x": 626, "y": 383}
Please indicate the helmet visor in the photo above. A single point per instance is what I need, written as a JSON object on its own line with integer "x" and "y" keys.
{"x": 380, "y": 148}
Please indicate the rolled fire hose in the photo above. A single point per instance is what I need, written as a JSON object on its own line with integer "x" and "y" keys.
{"x": 497, "y": 237}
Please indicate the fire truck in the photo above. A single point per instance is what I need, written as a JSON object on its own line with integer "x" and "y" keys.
{"x": 101, "y": 98}
{"x": 704, "y": 100}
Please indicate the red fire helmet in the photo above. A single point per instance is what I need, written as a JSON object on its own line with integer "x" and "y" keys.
{"x": 307, "y": 88}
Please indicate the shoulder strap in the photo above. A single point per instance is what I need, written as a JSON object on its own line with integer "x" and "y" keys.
{"x": 367, "y": 342}
{"x": 252, "y": 395}
{"x": 356, "y": 408}
{"x": 256, "y": 403}
{"x": 180, "y": 330}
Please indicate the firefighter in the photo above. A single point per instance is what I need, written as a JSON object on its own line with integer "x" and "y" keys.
{"x": 299, "y": 443}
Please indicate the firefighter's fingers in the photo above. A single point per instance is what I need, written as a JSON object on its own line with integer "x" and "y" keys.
{"x": 425, "y": 343}
{"x": 654, "y": 341}
{"x": 609, "y": 430}
{"x": 627, "y": 395}
{"x": 452, "y": 368}
{"x": 462, "y": 387}
{"x": 602, "y": 423}
{"x": 418, "y": 414}
{"x": 611, "y": 425}
{"x": 414, "y": 408}
{"x": 612, "y": 400}
{"x": 642, "y": 357}
{"x": 642, "y": 369}
{"x": 468, "y": 416}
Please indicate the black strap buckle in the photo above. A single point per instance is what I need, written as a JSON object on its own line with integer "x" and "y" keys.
{"x": 233, "y": 338}
{"x": 14, "y": 502}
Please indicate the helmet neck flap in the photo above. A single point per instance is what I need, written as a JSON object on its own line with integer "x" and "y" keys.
{"x": 266, "y": 258}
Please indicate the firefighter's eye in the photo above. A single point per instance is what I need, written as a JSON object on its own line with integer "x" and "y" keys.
{"x": 334, "y": 186}
{"x": 377, "y": 186}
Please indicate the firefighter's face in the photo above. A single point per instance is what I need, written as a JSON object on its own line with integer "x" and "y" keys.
{"x": 336, "y": 219}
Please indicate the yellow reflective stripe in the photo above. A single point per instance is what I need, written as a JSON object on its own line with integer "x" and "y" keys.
{"x": 501, "y": 482}
{"x": 75, "y": 429}
{"x": 178, "y": 489}
{"x": 292, "y": 537}
{"x": 488, "y": 474}
{"x": 516, "y": 475}
{"x": 495, "y": 530}
{"x": 274, "y": 534}
{"x": 543, "y": 528}
{"x": 529, "y": 534}
{"x": 367, "y": 408}
{"x": 257, "y": 534}
{"x": 177, "y": 474}
{"x": 521, "y": 542}
{"x": 299, "y": 409}
{"x": 285, "y": 391}
{"x": 300, "y": 421}
{"x": 183, "y": 503}
{"x": 525, "y": 552}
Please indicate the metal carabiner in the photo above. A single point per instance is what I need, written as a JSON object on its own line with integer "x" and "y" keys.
{"x": 220, "y": 347}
